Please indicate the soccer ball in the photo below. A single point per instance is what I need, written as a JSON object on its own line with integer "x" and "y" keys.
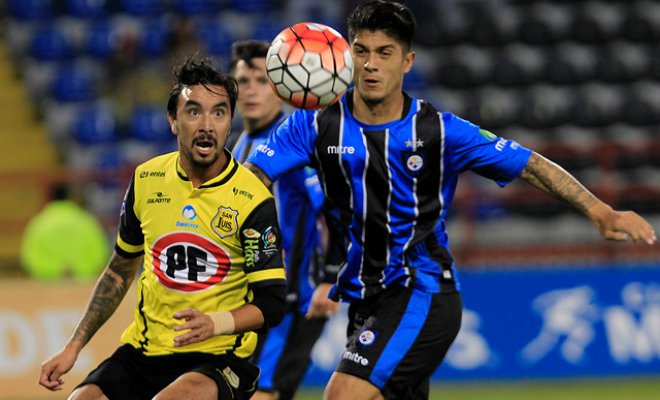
{"x": 309, "y": 65}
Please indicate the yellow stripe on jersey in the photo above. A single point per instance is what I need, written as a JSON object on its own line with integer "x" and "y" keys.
{"x": 266, "y": 275}
{"x": 129, "y": 248}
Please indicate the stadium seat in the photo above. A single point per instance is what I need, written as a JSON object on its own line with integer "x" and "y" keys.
{"x": 622, "y": 62}
{"x": 149, "y": 124}
{"x": 569, "y": 63}
{"x": 597, "y": 105}
{"x": 95, "y": 124}
{"x": 464, "y": 66}
{"x": 103, "y": 40}
{"x": 642, "y": 104}
{"x": 30, "y": 10}
{"x": 545, "y": 23}
{"x": 517, "y": 65}
{"x": 251, "y": 6}
{"x": 596, "y": 22}
{"x": 87, "y": 8}
{"x": 143, "y": 8}
{"x": 155, "y": 38}
{"x": 196, "y": 7}
{"x": 72, "y": 83}
{"x": 50, "y": 43}
{"x": 216, "y": 39}
{"x": 544, "y": 106}
{"x": 642, "y": 22}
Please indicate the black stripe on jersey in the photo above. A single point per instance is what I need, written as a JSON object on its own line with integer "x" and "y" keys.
{"x": 234, "y": 166}
{"x": 329, "y": 123}
{"x": 375, "y": 231}
{"x": 428, "y": 130}
{"x": 145, "y": 340}
{"x": 129, "y": 224}
{"x": 262, "y": 218}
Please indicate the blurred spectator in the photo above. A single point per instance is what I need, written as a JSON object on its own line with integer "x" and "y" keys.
{"x": 64, "y": 240}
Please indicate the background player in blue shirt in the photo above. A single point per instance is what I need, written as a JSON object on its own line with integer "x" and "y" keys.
{"x": 390, "y": 164}
{"x": 284, "y": 353}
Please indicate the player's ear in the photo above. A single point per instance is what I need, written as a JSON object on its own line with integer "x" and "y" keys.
{"x": 408, "y": 61}
{"x": 172, "y": 123}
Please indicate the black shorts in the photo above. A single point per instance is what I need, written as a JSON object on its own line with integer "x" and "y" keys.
{"x": 130, "y": 375}
{"x": 284, "y": 353}
{"x": 397, "y": 340}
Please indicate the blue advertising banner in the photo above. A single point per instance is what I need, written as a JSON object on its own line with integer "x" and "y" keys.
{"x": 542, "y": 323}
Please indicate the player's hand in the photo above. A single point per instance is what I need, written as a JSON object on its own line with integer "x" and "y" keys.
{"x": 623, "y": 225}
{"x": 56, "y": 366}
{"x": 321, "y": 306}
{"x": 199, "y": 324}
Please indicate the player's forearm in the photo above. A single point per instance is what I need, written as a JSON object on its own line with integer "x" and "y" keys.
{"x": 108, "y": 293}
{"x": 556, "y": 181}
{"x": 259, "y": 173}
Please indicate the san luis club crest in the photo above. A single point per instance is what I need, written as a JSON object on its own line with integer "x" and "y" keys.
{"x": 225, "y": 222}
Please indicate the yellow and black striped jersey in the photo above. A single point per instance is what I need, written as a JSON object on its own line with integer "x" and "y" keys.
{"x": 204, "y": 248}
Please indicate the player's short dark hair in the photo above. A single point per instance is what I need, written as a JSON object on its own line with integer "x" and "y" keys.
{"x": 391, "y": 17}
{"x": 246, "y": 50}
{"x": 200, "y": 72}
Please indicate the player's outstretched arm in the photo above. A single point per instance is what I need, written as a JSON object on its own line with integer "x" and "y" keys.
{"x": 267, "y": 308}
{"x": 613, "y": 225}
{"x": 259, "y": 173}
{"x": 110, "y": 289}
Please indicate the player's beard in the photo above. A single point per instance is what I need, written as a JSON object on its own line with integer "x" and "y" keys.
{"x": 199, "y": 161}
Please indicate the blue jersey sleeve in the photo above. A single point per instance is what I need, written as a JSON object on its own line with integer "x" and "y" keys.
{"x": 313, "y": 188}
{"x": 289, "y": 147}
{"x": 469, "y": 147}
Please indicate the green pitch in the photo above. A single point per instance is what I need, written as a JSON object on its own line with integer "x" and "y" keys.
{"x": 596, "y": 389}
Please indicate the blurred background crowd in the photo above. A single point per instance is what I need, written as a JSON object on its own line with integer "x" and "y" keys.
{"x": 84, "y": 85}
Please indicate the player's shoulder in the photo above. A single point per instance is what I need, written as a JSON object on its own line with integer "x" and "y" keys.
{"x": 157, "y": 165}
{"x": 247, "y": 185}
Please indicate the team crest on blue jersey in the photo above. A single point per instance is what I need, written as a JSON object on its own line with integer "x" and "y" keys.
{"x": 225, "y": 222}
{"x": 414, "y": 162}
{"x": 367, "y": 337}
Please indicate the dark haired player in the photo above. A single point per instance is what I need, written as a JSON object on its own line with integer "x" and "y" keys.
{"x": 284, "y": 352}
{"x": 390, "y": 163}
{"x": 205, "y": 231}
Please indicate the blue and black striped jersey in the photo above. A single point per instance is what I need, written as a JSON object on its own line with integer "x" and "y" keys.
{"x": 393, "y": 184}
{"x": 298, "y": 198}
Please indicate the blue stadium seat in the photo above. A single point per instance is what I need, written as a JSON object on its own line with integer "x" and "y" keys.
{"x": 87, "y": 8}
{"x": 73, "y": 82}
{"x": 155, "y": 39}
{"x": 251, "y": 6}
{"x": 215, "y": 38}
{"x": 143, "y": 8}
{"x": 196, "y": 7}
{"x": 95, "y": 124}
{"x": 266, "y": 29}
{"x": 50, "y": 43}
{"x": 103, "y": 40}
{"x": 148, "y": 123}
{"x": 30, "y": 10}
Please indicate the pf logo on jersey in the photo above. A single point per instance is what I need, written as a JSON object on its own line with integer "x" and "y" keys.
{"x": 189, "y": 262}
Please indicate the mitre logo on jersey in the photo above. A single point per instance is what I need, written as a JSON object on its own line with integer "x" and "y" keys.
{"x": 189, "y": 262}
{"x": 225, "y": 222}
